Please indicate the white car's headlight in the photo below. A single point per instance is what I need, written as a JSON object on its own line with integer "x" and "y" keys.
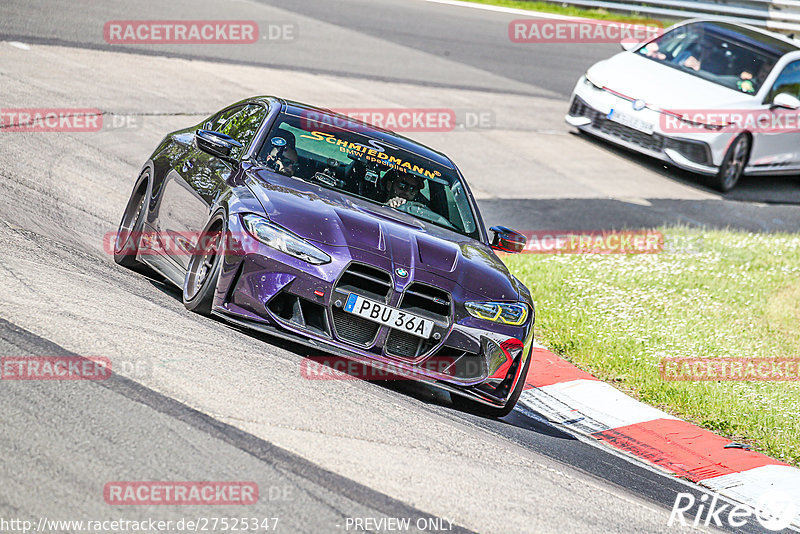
{"x": 708, "y": 125}
{"x": 513, "y": 314}
{"x": 589, "y": 82}
{"x": 281, "y": 239}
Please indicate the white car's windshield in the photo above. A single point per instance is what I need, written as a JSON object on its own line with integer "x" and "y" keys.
{"x": 731, "y": 56}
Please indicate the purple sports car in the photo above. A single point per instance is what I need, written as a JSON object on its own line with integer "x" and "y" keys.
{"x": 308, "y": 225}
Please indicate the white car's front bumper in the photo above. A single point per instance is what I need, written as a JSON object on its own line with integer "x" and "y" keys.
{"x": 697, "y": 152}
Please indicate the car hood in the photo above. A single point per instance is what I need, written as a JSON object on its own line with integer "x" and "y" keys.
{"x": 662, "y": 86}
{"x": 336, "y": 219}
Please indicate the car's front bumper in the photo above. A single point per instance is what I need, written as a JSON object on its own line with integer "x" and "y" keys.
{"x": 274, "y": 293}
{"x": 701, "y": 153}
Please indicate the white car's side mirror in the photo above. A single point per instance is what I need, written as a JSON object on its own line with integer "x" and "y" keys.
{"x": 785, "y": 100}
{"x": 627, "y": 45}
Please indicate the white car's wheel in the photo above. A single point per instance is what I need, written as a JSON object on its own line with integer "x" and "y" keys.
{"x": 734, "y": 163}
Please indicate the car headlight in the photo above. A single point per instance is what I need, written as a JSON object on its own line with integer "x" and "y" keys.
{"x": 514, "y": 314}
{"x": 700, "y": 122}
{"x": 713, "y": 126}
{"x": 281, "y": 239}
{"x": 587, "y": 81}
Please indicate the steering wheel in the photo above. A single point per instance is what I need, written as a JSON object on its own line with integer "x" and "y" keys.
{"x": 422, "y": 211}
{"x": 417, "y": 209}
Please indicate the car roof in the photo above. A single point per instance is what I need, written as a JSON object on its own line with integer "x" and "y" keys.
{"x": 774, "y": 42}
{"x": 298, "y": 108}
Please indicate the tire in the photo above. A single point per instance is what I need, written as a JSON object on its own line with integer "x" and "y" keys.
{"x": 733, "y": 165}
{"x": 205, "y": 265}
{"x": 126, "y": 246}
{"x": 468, "y": 405}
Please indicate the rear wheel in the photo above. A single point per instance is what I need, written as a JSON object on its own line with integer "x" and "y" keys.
{"x": 126, "y": 243}
{"x": 464, "y": 403}
{"x": 733, "y": 165}
{"x": 205, "y": 264}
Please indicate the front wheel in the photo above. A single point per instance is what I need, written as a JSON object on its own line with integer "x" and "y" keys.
{"x": 733, "y": 165}
{"x": 205, "y": 264}
{"x": 464, "y": 403}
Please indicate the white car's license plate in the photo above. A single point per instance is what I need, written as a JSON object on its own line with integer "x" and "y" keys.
{"x": 630, "y": 121}
{"x": 386, "y": 315}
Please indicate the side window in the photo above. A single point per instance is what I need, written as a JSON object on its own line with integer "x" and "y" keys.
{"x": 218, "y": 121}
{"x": 788, "y": 81}
{"x": 241, "y": 123}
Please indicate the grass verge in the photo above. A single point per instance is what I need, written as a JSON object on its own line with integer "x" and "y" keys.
{"x": 570, "y": 11}
{"x": 709, "y": 294}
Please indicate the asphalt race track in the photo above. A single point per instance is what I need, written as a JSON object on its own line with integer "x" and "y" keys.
{"x": 195, "y": 399}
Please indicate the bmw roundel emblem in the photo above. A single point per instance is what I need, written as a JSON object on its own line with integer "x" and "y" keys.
{"x": 402, "y": 273}
{"x": 639, "y": 104}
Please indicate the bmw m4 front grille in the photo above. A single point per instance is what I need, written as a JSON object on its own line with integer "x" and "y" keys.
{"x": 404, "y": 345}
{"x": 368, "y": 282}
{"x": 376, "y": 284}
{"x": 424, "y": 300}
{"x": 354, "y": 329}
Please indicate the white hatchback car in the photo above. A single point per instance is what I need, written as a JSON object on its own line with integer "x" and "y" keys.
{"x": 715, "y": 98}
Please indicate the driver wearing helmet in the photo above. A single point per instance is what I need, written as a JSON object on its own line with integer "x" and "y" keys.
{"x": 402, "y": 187}
{"x": 282, "y": 156}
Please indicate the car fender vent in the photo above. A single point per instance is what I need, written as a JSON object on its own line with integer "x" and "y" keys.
{"x": 459, "y": 363}
{"x": 300, "y": 312}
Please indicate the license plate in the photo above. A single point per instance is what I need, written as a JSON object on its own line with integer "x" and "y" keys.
{"x": 632, "y": 122}
{"x": 386, "y": 315}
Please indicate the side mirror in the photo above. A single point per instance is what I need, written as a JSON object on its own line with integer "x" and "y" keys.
{"x": 785, "y": 100}
{"x": 507, "y": 240}
{"x": 628, "y": 45}
{"x": 216, "y": 144}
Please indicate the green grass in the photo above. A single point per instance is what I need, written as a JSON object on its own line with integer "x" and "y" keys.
{"x": 709, "y": 294}
{"x": 571, "y": 11}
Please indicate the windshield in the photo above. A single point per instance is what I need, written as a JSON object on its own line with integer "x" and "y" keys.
{"x": 355, "y": 163}
{"x": 735, "y": 58}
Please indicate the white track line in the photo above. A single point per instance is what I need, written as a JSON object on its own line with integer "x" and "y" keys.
{"x": 591, "y": 404}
